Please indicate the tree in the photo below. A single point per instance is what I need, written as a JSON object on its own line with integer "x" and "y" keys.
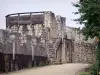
{"x": 90, "y": 17}
{"x": 89, "y": 11}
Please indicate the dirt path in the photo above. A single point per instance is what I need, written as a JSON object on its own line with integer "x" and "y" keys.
{"x": 64, "y": 69}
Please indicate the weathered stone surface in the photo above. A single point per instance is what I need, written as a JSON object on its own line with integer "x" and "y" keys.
{"x": 84, "y": 52}
{"x": 48, "y": 35}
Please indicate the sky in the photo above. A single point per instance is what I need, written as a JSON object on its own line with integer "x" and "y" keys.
{"x": 59, "y": 7}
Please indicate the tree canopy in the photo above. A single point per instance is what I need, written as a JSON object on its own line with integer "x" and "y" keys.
{"x": 89, "y": 11}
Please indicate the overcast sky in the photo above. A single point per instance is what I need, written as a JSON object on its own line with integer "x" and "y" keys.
{"x": 59, "y": 7}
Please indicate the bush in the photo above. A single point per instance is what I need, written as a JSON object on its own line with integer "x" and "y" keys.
{"x": 85, "y": 73}
{"x": 42, "y": 64}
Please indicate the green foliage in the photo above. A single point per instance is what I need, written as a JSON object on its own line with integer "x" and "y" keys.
{"x": 96, "y": 66}
{"x": 89, "y": 11}
{"x": 42, "y": 64}
{"x": 85, "y": 73}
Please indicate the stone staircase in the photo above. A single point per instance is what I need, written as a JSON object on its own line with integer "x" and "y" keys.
{"x": 53, "y": 48}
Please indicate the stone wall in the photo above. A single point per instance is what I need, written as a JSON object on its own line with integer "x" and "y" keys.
{"x": 44, "y": 27}
{"x": 83, "y": 52}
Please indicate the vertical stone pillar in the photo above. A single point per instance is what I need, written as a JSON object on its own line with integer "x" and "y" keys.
{"x": 63, "y": 51}
{"x": 70, "y": 52}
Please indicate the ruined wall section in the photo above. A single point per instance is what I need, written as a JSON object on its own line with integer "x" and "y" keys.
{"x": 4, "y": 35}
{"x": 83, "y": 52}
{"x": 61, "y": 23}
{"x": 50, "y": 24}
{"x": 51, "y": 33}
{"x": 30, "y": 26}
